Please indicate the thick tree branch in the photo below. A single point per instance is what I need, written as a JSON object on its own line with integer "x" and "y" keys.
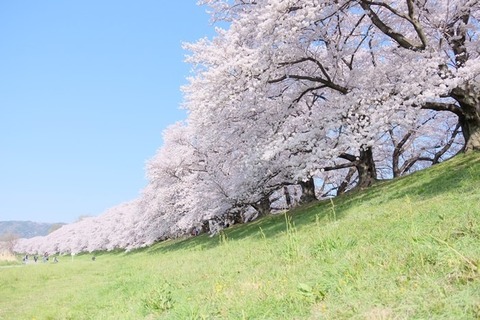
{"x": 416, "y": 24}
{"x": 306, "y": 59}
{"x": 439, "y": 106}
{"x": 342, "y": 188}
{"x": 339, "y": 166}
{"x": 398, "y": 150}
{"x": 456, "y": 36}
{"x": 307, "y": 91}
{"x": 409, "y": 164}
{"x": 348, "y": 157}
{"x": 447, "y": 146}
{"x": 397, "y": 37}
{"x": 326, "y": 83}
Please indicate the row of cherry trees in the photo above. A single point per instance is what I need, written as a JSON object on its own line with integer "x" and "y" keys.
{"x": 297, "y": 100}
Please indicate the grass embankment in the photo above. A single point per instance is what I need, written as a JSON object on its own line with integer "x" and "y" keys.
{"x": 404, "y": 249}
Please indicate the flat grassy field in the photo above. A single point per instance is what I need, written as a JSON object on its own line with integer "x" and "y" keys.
{"x": 404, "y": 249}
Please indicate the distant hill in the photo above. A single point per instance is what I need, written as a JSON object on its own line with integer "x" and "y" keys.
{"x": 27, "y": 229}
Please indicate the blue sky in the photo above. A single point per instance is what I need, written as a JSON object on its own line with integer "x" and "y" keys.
{"x": 86, "y": 89}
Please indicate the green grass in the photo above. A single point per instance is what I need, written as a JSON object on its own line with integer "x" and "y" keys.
{"x": 404, "y": 249}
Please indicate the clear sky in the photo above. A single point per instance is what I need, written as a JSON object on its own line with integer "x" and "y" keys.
{"x": 86, "y": 89}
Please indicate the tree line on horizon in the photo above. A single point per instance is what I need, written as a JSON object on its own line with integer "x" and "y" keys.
{"x": 296, "y": 101}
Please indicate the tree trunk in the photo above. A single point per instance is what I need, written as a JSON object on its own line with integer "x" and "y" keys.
{"x": 398, "y": 152}
{"x": 308, "y": 191}
{"x": 344, "y": 185}
{"x": 468, "y": 96}
{"x": 367, "y": 172}
{"x": 471, "y": 131}
{"x": 288, "y": 197}
{"x": 469, "y": 99}
{"x": 262, "y": 206}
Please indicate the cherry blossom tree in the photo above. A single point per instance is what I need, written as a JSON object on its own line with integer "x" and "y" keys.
{"x": 111, "y": 230}
{"x": 296, "y": 100}
{"x": 8, "y": 242}
{"x": 362, "y": 60}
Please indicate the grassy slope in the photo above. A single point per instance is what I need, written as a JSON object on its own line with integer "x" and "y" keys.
{"x": 405, "y": 249}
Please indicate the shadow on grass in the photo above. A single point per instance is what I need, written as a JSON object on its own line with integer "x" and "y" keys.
{"x": 459, "y": 174}
{"x": 450, "y": 176}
